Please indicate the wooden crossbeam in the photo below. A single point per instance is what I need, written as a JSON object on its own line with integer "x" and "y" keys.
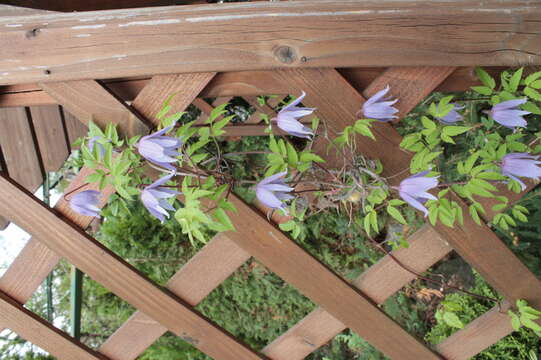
{"x": 243, "y": 83}
{"x": 135, "y": 42}
{"x": 39, "y": 332}
{"x": 88, "y": 101}
{"x": 478, "y": 335}
{"x": 68, "y": 241}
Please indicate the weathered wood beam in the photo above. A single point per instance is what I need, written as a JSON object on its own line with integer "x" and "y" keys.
{"x": 237, "y": 83}
{"x": 93, "y": 5}
{"x": 323, "y": 33}
{"x": 33, "y": 328}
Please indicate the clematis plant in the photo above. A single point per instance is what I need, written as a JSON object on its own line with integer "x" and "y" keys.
{"x": 498, "y": 149}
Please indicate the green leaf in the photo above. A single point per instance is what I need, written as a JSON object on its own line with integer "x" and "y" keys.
{"x": 427, "y": 123}
{"x": 451, "y": 319}
{"x": 485, "y": 78}
{"x": 455, "y": 130}
{"x": 515, "y": 80}
{"x": 292, "y": 156}
{"x": 307, "y": 157}
{"x": 474, "y": 215}
{"x": 531, "y": 107}
{"x": 532, "y": 77}
{"x": 532, "y": 94}
{"x": 483, "y": 90}
{"x": 515, "y": 321}
{"x": 536, "y": 84}
{"x": 396, "y": 214}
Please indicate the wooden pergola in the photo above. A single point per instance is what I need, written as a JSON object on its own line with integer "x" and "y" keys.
{"x": 120, "y": 65}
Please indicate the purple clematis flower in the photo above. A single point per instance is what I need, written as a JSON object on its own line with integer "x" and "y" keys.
{"x": 507, "y": 114}
{"x": 413, "y": 190}
{"x": 521, "y": 164}
{"x": 154, "y": 198}
{"x": 379, "y": 108}
{"x": 287, "y": 119}
{"x": 272, "y": 191}
{"x": 159, "y": 149}
{"x": 452, "y": 116}
{"x": 86, "y": 203}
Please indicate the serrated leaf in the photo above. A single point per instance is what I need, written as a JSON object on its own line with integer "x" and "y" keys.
{"x": 532, "y": 94}
{"x": 451, "y": 319}
{"x": 455, "y": 130}
{"x": 396, "y": 214}
{"x": 483, "y": 90}
{"x": 485, "y": 78}
{"x": 532, "y": 77}
{"x": 515, "y": 80}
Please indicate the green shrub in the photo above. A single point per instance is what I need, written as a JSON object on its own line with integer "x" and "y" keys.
{"x": 517, "y": 345}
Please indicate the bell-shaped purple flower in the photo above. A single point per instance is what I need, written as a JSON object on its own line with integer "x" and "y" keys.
{"x": 507, "y": 113}
{"x": 287, "y": 119}
{"x": 272, "y": 191}
{"x": 379, "y": 108}
{"x": 414, "y": 190}
{"x": 452, "y": 116}
{"x": 154, "y": 198}
{"x": 86, "y": 203}
{"x": 514, "y": 165}
{"x": 159, "y": 149}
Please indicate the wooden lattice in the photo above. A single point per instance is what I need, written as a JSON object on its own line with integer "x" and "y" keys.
{"x": 58, "y": 233}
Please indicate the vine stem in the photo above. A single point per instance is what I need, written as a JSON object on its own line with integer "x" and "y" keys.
{"x": 427, "y": 279}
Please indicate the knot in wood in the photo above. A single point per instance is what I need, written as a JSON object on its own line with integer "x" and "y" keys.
{"x": 32, "y": 33}
{"x": 285, "y": 54}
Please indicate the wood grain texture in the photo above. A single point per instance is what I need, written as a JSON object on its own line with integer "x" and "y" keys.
{"x": 478, "y": 335}
{"x": 408, "y": 84}
{"x": 75, "y": 128}
{"x": 284, "y": 257}
{"x": 19, "y": 149}
{"x": 50, "y": 136}
{"x": 184, "y": 88}
{"x": 323, "y": 33}
{"x": 88, "y": 101}
{"x": 378, "y": 282}
{"x": 235, "y": 83}
{"x": 36, "y": 330}
{"x": 30, "y": 268}
{"x": 103, "y": 266}
{"x": 192, "y": 283}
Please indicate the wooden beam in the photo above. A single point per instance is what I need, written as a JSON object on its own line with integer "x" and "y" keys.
{"x": 88, "y": 101}
{"x": 91, "y": 5}
{"x": 378, "y": 282}
{"x": 323, "y": 33}
{"x": 19, "y": 149}
{"x": 50, "y": 136}
{"x": 99, "y": 263}
{"x": 478, "y": 335}
{"x": 236, "y": 83}
{"x": 39, "y": 332}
